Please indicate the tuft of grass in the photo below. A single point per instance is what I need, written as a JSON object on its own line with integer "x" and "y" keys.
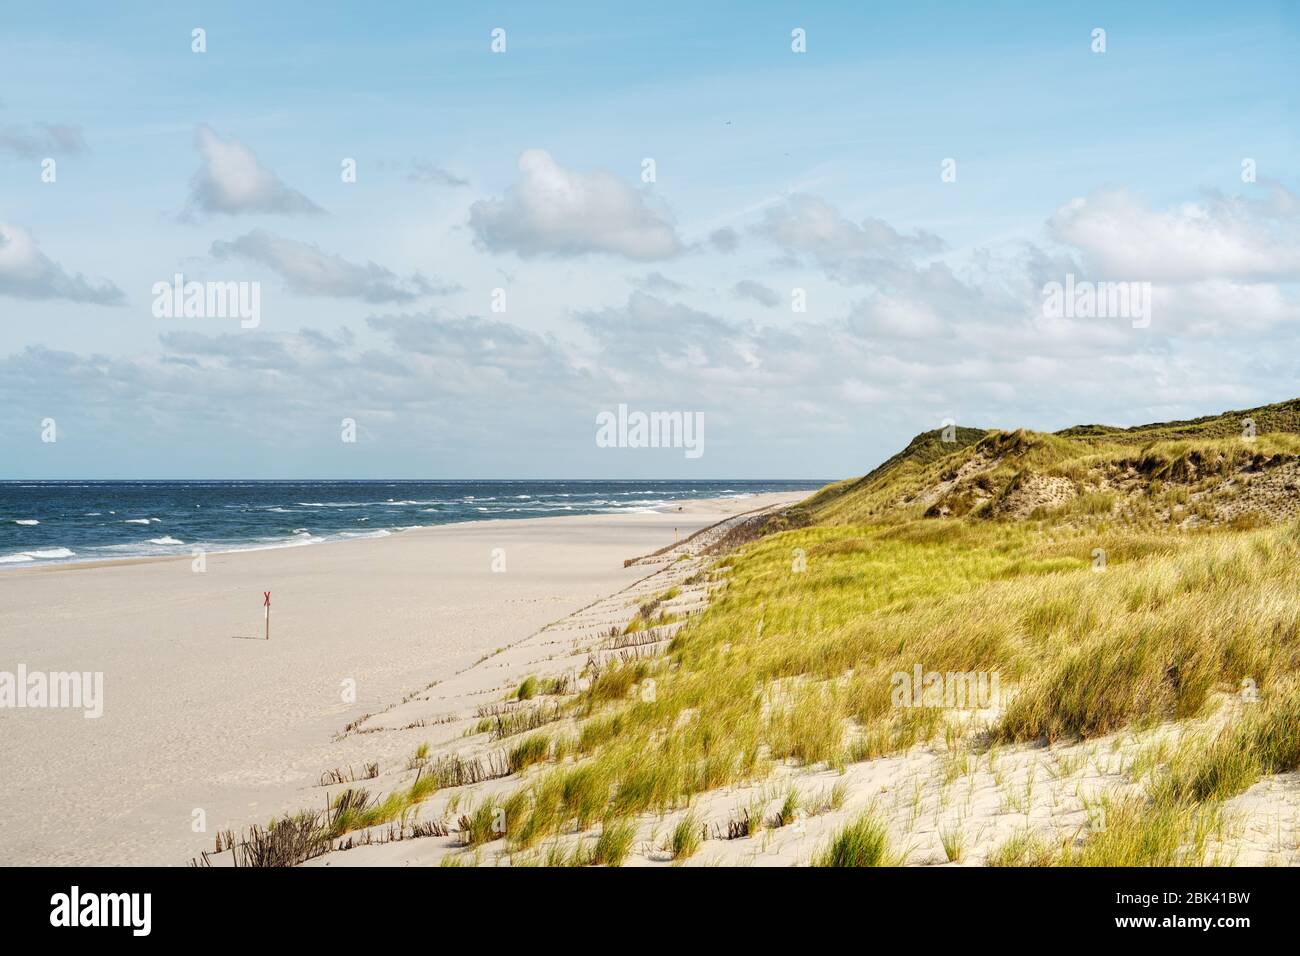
{"x": 528, "y": 689}
{"x": 531, "y": 750}
{"x": 1023, "y": 848}
{"x": 788, "y": 812}
{"x": 613, "y": 845}
{"x": 1264, "y": 740}
{"x": 488, "y": 822}
{"x": 862, "y": 842}
{"x": 685, "y": 839}
{"x": 953, "y": 839}
{"x": 1135, "y": 831}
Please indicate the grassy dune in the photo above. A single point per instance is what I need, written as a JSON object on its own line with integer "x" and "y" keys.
{"x": 1111, "y": 610}
{"x": 1100, "y": 579}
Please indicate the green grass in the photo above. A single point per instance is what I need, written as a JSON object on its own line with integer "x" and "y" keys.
{"x": 529, "y": 751}
{"x": 1168, "y": 625}
{"x": 1138, "y": 832}
{"x": 685, "y": 839}
{"x": 953, "y": 838}
{"x": 789, "y": 809}
{"x": 613, "y": 845}
{"x": 1264, "y": 740}
{"x": 862, "y": 842}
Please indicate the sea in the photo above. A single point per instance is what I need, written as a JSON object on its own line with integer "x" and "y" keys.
{"x": 49, "y": 522}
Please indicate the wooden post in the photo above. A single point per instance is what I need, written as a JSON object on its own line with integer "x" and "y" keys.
{"x": 266, "y": 603}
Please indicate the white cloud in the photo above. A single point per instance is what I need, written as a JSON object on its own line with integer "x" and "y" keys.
{"x": 310, "y": 271}
{"x": 1221, "y": 237}
{"x": 232, "y": 181}
{"x": 554, "y": 211}
{"x": 846, "y": 249}
{"x": 27, "y": 273}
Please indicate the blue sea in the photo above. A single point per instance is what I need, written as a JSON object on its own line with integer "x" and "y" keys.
{"x": 45, "y": 522}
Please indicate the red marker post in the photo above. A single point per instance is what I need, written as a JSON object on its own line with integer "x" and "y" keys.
{"x": 266, "y": 603}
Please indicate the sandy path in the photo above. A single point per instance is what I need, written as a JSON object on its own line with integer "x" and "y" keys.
{"x": 198, "y": 716}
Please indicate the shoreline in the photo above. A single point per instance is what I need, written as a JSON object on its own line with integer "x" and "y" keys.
{"x": 241, "y": 730}
{"x": 241, "y": 547}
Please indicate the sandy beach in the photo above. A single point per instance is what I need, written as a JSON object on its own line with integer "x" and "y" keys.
{"x": 206, "y": 723}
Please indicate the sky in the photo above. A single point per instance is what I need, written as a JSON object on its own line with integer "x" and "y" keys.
{"x": 820, "y": 253}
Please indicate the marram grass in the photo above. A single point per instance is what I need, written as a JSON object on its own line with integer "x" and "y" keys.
{"x": 795, "y": 667}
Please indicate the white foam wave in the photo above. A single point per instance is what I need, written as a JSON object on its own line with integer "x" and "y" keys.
{"x": 43, "y": 554}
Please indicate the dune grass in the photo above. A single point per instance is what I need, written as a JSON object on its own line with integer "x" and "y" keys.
{"x": 862, "y": 842}
{"x": 1166, "y": 626}
{"x": 1135, "y": 831}
{"x": 685, "y": 839}
{"x": 613, "y": 845}
{"x": 1110, "y": 609}
{"x": 1264, "y": 740}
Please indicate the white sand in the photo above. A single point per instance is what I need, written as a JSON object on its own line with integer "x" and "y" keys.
{"x": 200, "y": 714}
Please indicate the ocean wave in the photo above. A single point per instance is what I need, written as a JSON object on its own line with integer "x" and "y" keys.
{"x": 348, "y": 504}
{"x": 142, "y": 521}
{"x": 297, "y": 541}
{"x": 26, "y": 521}
{"x": 166, "y": 540}
{"x": 44, "y": 554}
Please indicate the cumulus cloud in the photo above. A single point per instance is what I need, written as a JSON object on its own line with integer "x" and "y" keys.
{"x": 27, "y": 273}
{"x": 749, "y": 289}
{"x": 809, "y": 225}
{"x": 555, "y": 211}
{"x": 915, "y": 342}
{"x": 766, "y": 389}
{"x": 476, "y": 345}
{"x": 1221, "y": 237}
{"x": 448, "y": 380}
{"x": 232, "y": 181}
{"x": 660, "y": 341}
{"x": 43, "y": 139}
{"x": 310, "y": 271}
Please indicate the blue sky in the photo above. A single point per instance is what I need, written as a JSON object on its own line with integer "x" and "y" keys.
{"x": 775, "y": 171}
